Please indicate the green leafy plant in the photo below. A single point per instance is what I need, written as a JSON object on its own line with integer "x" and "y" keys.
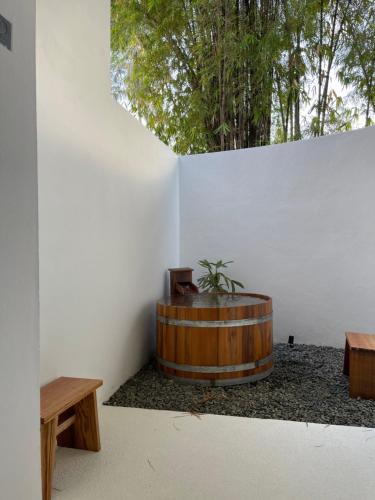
{"x": 214, "y": 280}
{"x": 214, "y": 75}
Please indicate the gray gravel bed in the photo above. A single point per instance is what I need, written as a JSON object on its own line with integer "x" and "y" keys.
{"x": 307, "y": 385}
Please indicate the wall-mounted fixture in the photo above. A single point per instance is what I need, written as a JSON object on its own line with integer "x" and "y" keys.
{"x": 5, "y": 32}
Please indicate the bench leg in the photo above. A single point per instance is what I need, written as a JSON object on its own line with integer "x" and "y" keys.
{"x": 86, "y": 426}
{"x": 48, "y": 450}
{"x": 347, "y": 359}
{"x": 362, "y": 374}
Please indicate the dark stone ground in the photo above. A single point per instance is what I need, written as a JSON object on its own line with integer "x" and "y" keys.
{"x": 306, "y": 385}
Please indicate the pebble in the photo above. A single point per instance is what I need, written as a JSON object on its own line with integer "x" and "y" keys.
{"x": 307, "y": 385}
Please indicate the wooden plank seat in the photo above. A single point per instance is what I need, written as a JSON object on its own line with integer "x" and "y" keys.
{"x": 69, "y": 418}
{"x": 359, "y": 364}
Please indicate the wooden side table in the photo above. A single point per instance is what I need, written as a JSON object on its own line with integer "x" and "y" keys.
{"x": 359, "y": 364}
{"x": 68, "y": 416}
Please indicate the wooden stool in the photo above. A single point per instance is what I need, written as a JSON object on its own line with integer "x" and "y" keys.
{"x": 359, "y": 364}
{"x": 68, "y": 415}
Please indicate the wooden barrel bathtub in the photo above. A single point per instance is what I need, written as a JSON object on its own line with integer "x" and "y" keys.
{"x": 215, "y": 339}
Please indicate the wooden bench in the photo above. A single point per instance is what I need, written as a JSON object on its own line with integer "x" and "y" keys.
{"x": 359, "y": 364}
{"x": 68, "y": 417}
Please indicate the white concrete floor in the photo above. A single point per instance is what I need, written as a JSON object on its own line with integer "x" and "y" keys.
{"x": 160, "y": 455}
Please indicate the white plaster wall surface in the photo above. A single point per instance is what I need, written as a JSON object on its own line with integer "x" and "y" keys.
{"x": 108, "y": 205}
{"x": 298, "y": 220}
{"x": 19, "y": 342}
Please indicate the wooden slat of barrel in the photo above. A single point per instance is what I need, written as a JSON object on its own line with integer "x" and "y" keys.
{"x": 241, "y": 345}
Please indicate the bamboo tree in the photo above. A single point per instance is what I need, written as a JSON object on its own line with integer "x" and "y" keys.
{"x": 213, "y": 75}
{"x": 324, "y": 54}
{"x": 357, "y": 67}
{"x": 213, "y": 59}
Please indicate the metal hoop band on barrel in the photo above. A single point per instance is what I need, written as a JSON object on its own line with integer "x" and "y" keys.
{"x": 215, "y": 324}
{"x": 221, "y": 382}
{"x": 215, "y": 369}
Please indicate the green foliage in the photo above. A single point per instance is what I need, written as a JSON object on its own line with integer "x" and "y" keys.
{"x": 211, "y": 75}
{"x": 198, "y": 72}
{"x": 357, "y": 67}
{"x": 214, "y": 280}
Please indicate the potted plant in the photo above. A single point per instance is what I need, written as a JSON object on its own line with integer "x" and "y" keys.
{"x": 214, "y": 280}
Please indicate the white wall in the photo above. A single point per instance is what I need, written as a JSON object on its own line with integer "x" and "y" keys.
{"x": 19, "y": 349}
{"x": 298, "y": 220}
{"x": 108, "y": 205}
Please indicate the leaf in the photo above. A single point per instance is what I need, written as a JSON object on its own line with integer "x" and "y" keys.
{"x": 238, "y": 283}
